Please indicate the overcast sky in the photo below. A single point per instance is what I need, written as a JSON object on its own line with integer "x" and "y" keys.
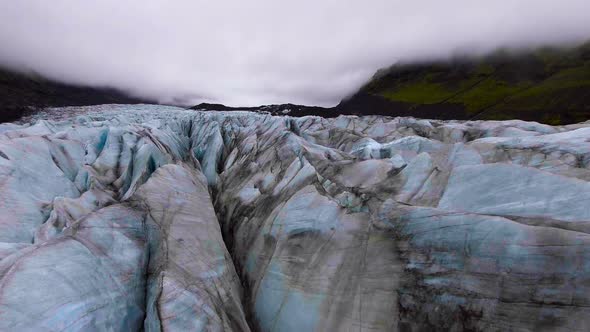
{"x": 252, "y": 52}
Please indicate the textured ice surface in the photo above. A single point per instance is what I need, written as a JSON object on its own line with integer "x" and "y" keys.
{"x": 124, "y": 218}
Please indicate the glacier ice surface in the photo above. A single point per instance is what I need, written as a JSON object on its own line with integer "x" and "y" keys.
{"x": 119, "y": 218}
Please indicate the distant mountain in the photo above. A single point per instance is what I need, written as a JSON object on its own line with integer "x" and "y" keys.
{"x": 547, "y": 85}
{"x": 21, "y": 94}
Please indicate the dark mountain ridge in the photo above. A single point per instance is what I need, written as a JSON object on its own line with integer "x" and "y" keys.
{"x": 21, "y": 94}
{"x": 548, "y": 85}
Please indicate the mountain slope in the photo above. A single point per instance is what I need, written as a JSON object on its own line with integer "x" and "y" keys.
{"x": 21, "y": 94}
{"x": 546, "y": 85}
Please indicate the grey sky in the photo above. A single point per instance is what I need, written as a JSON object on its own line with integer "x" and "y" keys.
{"x": 264, "y": 51}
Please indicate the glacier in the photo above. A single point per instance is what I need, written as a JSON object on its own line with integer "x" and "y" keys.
{"x": 156, "y": 218}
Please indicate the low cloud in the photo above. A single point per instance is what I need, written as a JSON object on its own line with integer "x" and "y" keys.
{"x": 264, "y": 51}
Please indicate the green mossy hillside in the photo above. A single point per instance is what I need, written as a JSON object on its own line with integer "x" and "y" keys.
{"x": 548, "y": 85}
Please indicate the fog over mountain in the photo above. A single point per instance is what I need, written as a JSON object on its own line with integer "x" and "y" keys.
{"x": 262, "y": 51}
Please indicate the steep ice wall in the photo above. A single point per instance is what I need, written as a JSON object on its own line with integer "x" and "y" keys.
{"x": 130, "y": 217}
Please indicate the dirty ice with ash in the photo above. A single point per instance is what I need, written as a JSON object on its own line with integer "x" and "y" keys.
{"x": 123, "y": 218}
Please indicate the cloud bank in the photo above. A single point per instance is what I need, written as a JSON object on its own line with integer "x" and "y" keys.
{"x": 264, "y": 51}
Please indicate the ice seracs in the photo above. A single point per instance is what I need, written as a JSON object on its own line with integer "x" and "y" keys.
{"x": 148, "y": 217}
